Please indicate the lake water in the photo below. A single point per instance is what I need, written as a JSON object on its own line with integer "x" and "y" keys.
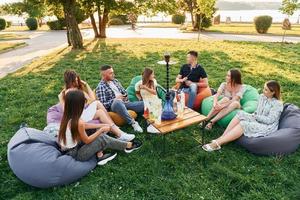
{"x": 235, "y": 15}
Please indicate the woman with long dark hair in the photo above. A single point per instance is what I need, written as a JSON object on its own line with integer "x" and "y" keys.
{"x": 93, "y": 110}
{"x": 230, "y": 92}
{"x": 75, "y": 142}
{"x": 262, "y": 122}
{"x": 146, "y": 88}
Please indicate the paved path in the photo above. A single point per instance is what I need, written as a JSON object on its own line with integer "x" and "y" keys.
{"x": 45, "y": 42}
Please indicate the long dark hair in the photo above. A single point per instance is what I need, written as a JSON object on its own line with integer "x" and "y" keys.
{"x": 74, "y": 104}
{"x": 274, "y": 86}
{"x": 70, "y": 80}
{"x": 236, "y": 77}
{"x": 146, "y": 77}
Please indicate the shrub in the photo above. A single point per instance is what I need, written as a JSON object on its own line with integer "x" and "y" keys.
{"x": 115, "y": 21}
{"x": 178, "y": 19}
{"x": 124, "y": 18}
{"x": 32, "y": 23}
{"x": 217, "y": 19}
{"x": 2, "y": 24}
{"x": 262, "y": 23}
{"x": 56, "y": 25}
{"x": 206, "y": 22}
{"x": 286, "y": 24}
{"x": 8, "y": 24}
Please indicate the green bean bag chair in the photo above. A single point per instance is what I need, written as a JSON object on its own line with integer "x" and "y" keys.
{"x": 131, "y": 90}
{"x": 248, "y": 103}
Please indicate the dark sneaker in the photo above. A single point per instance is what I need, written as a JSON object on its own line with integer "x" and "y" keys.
{"x": 106, "y": 158}
{"x": 136, "y": 144}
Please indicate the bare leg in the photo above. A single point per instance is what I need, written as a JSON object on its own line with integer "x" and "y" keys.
{"x": 101, "y": 116}
{"x": 225, "y": 111}
{"x": 231, "y": 125}
{"x": 232, "y": 135}
{"x": 213, "y": 111}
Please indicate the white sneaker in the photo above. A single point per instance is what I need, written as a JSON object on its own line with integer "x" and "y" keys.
{"x": 137, "y": 127}
{"x": 126, "y": 137}
{"x": 152, "y": 129}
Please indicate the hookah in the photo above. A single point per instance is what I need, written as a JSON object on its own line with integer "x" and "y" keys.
{"x": 168, "y": 111}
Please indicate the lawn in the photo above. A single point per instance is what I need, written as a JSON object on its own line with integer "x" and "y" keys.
{"x": 243, "y": 28}
{"x": 185, "y": 171}
{"x": 12, "y": 36}
{"x": 7, "y": 46}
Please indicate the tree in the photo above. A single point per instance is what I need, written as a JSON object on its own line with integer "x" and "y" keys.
{"x": 200, "y": 10}
{"x": 33, "y": 8}
{"x": 289, "y": 7}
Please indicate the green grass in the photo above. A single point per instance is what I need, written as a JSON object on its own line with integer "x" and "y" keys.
{"x": 6, "y": 46}
{"x": 185, "y": 171}
{"x": 12, "y": 36}
{"x": 248, "y": 28}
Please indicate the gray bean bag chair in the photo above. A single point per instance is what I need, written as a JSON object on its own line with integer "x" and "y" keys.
{"x": 284, "y": 141}
{"x": 34, "y": 158}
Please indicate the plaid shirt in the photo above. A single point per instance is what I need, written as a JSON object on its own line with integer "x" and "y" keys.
{"x": 106, "y": 95}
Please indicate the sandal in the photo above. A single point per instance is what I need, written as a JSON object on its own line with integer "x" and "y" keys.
{"x": 209, "y": 126}
{"x": 208, "y": 147}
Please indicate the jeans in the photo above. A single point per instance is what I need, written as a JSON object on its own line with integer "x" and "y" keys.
{"x": 83, "y": 152}
{"x": 192, "y": 91}
{"x": 121, "y": 107}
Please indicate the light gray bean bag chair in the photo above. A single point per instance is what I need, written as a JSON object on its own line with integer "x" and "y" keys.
{"x": 283, "y": 141}
{"x": 34, "y": 158}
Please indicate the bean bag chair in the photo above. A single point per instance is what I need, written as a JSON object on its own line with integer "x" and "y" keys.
{"x": 35, "y": 159}
{"x": 248, "y": 103}
{"x": 283, "y": 141}
{"x": 202, "y": 94}
{"x": 161, "y": 92}
{"x": 55, "y": 114}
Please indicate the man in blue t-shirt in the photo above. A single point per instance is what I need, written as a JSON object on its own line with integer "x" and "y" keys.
{"x": 190, "y": 75}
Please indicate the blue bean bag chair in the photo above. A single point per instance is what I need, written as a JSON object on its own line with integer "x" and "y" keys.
{"x": 283, "y": 141}
{"x": 34, "y": 158}
{"x": 248, "y": 102}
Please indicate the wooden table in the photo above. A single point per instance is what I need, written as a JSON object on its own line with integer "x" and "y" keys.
{"x": 190, "y": 117}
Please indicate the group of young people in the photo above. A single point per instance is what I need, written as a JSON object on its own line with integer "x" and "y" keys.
{"x": 82, "y": 105}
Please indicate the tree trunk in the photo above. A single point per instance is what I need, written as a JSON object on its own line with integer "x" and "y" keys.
{"x": 103, "y": 23}
{"x": 68, "y": 37}
{"x": 197, "y": 22}
{"x": 73, "y": 29}
{"x": 94, "y": 25}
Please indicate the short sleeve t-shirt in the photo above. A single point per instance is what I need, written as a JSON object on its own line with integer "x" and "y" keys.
{"x": 193, "y": 74}
{"x": 114, "y": 88}
{"x": 144, "y": 93}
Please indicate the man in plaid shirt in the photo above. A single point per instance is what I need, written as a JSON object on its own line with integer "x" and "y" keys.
{"x": 114, "y": 97}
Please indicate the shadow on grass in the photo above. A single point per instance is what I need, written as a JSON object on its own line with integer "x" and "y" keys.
{"x": 181, "y": 174}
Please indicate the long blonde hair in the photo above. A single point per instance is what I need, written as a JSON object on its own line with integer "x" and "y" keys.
{"x": 146, "y": 77}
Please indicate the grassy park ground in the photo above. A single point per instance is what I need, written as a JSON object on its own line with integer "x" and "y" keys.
{"x": 184, "y": 171}
{"x": 12, "y": 36}
{"x": 7, "y": 46}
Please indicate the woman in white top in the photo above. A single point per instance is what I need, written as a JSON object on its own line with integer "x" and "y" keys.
{"x": 262, "y": 122}
{"x": 231, "y": 92}
{"x": 74, "y": 141}
{"x": 94, "y": 109}
{"x": 146, "y": 88}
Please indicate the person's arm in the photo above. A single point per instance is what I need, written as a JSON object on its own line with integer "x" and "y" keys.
{"x": 90, "y": 93}
{"x": 152, "y": 91}
{"x": 94, "y": 126}
{"x": 88, "y": 139}
{"x": 100, "y": 92}
{"x": 219, "y": 93}
{"x": 273, "y": 115}
{"x": 137, "y": 90}
{"x": 203, "y": 83}
{"x": 204, "y": 79}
